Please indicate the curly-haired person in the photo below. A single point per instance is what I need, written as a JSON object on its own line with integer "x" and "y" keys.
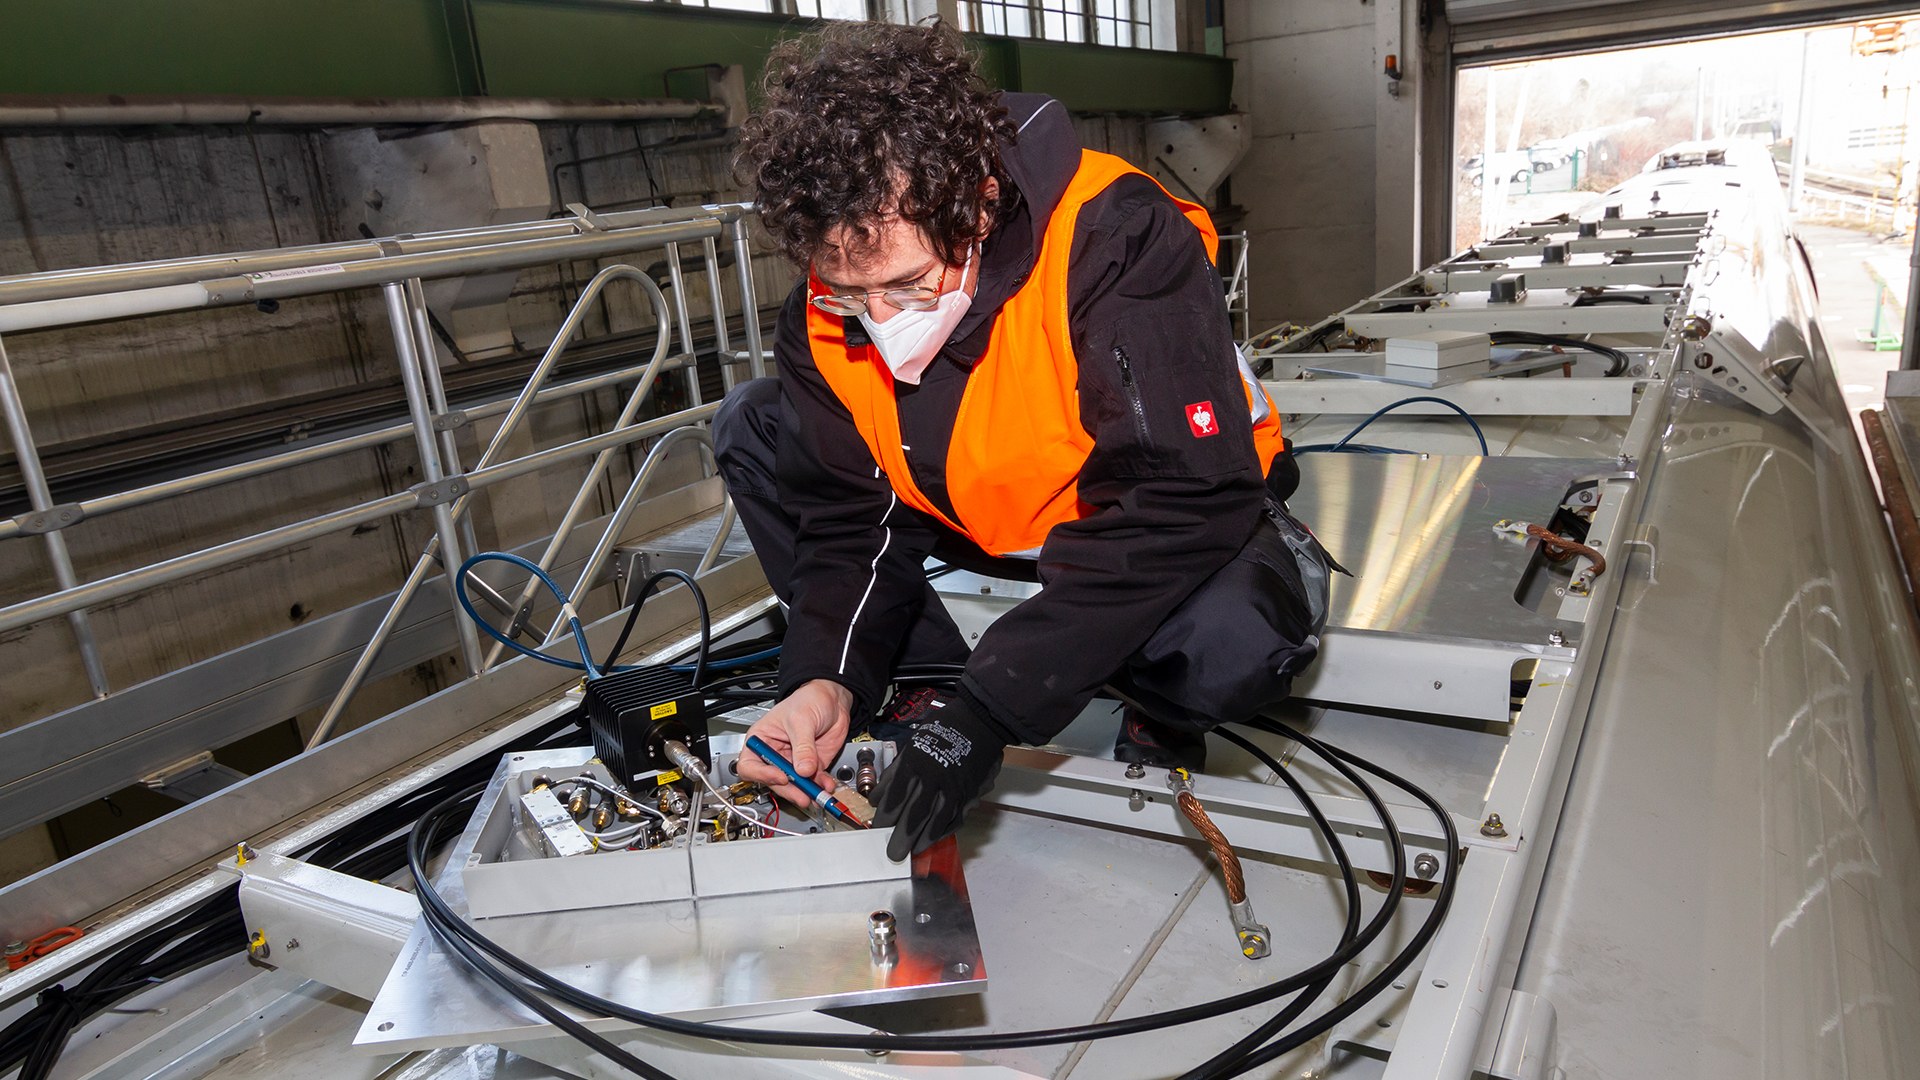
{"x": 1012, "y": 354}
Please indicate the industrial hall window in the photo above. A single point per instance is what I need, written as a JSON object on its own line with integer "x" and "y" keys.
{"x": 817, "y": 9}
{"x": 1101, "y": 22}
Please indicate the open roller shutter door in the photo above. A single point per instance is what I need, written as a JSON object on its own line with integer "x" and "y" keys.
{"x": 1511, "y": 29}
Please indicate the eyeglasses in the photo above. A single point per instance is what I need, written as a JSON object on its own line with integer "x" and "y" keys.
{"x": 908, "y": 298}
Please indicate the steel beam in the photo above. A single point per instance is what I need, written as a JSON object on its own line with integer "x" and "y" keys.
{"x": 336, "y": 277}
{"x": 1262, "y": 818}
{"x": 1546, "y": 396}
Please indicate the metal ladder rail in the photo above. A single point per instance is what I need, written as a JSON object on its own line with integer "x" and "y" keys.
{"x": 509, "y": 426}
{"x": 616, "y": 523}
{"x": 589, "y": 486}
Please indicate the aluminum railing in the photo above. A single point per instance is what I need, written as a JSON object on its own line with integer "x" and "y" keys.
{"x": 397, "y": 266}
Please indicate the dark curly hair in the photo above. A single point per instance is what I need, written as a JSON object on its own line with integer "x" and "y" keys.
{"x": 862, "y": 120}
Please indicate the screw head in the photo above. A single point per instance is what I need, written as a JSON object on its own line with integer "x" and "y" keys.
{"x": 1136, "y": 771}
{"x": 1425, "y": 865}
{"x": 1493, "y": 826}
{"x": 1555, "y": 637}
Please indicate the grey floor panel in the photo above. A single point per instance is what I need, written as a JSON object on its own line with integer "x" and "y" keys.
{"x": 1198, "y": 961}
{"x": 1064, "y": 912}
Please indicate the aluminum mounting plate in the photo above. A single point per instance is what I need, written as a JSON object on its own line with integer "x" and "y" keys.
{"x": 711, "y": 958}
{"x": 1435, "y": 596}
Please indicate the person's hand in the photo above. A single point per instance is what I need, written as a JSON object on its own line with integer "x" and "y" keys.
{"x": 808, "y": 726}
{"x": 942, "y": 769}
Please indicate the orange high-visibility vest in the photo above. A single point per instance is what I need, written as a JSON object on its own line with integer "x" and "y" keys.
{"x": 1014, "y": 463}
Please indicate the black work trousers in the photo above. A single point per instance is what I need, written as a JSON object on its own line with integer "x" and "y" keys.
{"x": 1230, "y": 649}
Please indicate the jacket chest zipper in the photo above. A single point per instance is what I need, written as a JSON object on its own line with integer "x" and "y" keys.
{"x": 1133, "y": 393}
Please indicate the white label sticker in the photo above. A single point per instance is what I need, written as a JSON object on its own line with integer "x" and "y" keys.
{"x": 297, "y": 272}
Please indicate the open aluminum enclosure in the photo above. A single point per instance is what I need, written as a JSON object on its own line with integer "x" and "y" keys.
{"x": 1684, "y": 786}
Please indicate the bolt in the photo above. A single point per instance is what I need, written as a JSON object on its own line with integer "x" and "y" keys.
{"x": 1136, "y": 771}
{"x": 1555, "y": 637}
{"x": 247, "y": 854}
{"x": 877, "y": 1053}
{"x": 880, "y": 937}
{"x": 923, "y": 918}
{"x": 1437, "y": 684}
{"x": 986, "y": 590}
{"x": 1493, "y": 827}
{"x": 1136, "y": 800}
{"x": 292, "y": 944}
{"x": 1425, "y": 866}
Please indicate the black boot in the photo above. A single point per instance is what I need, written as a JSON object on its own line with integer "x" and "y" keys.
{"x": 1142, "y": 741}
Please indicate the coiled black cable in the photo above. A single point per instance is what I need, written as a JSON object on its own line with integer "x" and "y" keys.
{"x": 1442, "y": 903}
{"x": 1307, "y": 997}
{"x": 447, "y": 924}
{"x": 640, "y": 600}
{"x": 1618, "y": 361}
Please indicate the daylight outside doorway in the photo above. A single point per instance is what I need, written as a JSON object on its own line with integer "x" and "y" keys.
{"x": 1835, "y": 106}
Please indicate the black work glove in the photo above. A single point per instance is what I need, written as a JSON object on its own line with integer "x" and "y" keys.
{"x": 947, "y": 761}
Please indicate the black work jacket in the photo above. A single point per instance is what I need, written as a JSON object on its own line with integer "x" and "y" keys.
{"x": 1165, "y": 516}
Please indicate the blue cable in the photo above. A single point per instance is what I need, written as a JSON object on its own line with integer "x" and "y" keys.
{"x": 573, "y": 620}
{"x": 1341, "y": 446}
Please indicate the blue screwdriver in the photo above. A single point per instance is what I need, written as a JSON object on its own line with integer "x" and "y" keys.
{"x": 807, "y": 787}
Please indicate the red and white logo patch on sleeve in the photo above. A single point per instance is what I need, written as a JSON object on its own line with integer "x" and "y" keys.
{"x": 1200, "y": 418}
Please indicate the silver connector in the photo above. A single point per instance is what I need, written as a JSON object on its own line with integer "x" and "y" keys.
{"x": 685, "y": 760}
{"x": 882, "y": 937}
{"x": 1255, "y": 940}
{"x": 1179, "y": 781}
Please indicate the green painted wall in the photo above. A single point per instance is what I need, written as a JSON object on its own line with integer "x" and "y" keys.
{"x": 503, "y": 48}
{"x": 1095, "y": 79}
{"x": 257, "y": 48}
{"x": 580, "y": 48}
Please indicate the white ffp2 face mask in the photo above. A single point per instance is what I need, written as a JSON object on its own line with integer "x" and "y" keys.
{"x": 910, "y": 340}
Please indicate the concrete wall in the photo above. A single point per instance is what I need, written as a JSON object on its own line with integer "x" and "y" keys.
{"x": 91, "y": 197}
{"x": 1329, "y": 184}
